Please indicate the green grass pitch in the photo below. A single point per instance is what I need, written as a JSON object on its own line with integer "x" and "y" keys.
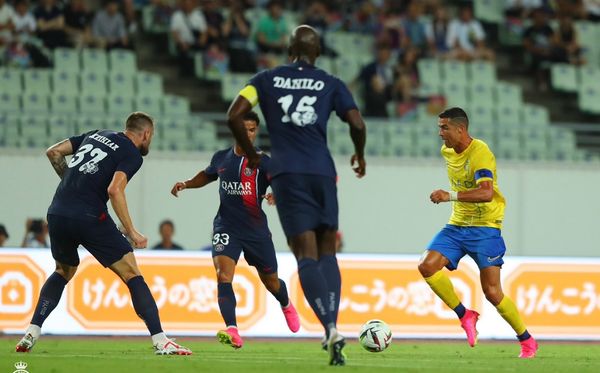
{"x": 112, "y": 355}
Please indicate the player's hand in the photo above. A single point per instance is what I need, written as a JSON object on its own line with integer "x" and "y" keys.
{"x": 253, "y": 161}
{"x": 139, "y": 240}
{"x": 439, "y": 195}
{"x": 361, "y": 167}
{"x": 178, "y": 187}
{"x": 270, "y": 199}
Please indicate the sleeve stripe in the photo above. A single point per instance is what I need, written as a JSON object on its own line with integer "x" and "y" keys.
{"x": 249, "y": 93}
{"x": 483, "y": 173}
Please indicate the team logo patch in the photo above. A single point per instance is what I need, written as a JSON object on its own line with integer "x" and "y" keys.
{"x": 219, "y": 247}
{"x": 90, "y": 168}
{"x": 248, "y": 171}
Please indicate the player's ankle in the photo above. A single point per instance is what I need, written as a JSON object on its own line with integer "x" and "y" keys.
{"x": 159, "y": 338}
{"x": 34, "y": 330}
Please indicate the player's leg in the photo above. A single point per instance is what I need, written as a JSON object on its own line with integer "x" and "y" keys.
{"x": 48, "y": 300}
{"x": 445, "y": 250}
{"x": 225, "y": 252}
{"x": 63, "y": 244}
{"x": 328, "y": 265}
{"x": 492, "y": 288}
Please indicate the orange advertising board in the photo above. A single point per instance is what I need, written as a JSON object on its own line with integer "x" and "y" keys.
{"x": 394, "y": 292}
{"x": 557, "y": 298}
{"x": 185, "y": 290}
{"x": 20, "y": 283}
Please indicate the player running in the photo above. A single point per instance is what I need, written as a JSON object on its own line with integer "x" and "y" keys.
{"x": 241, "y": 225}
{"x": 473, "y": 229}
{"x": 102, "y": 165}
{"x": 297, "y": 100}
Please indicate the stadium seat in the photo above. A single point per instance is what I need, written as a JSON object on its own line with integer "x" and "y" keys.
{"x": 485, "y": 133}
{"x": 429, "y": 71}
{"x": 326, "y": 63}
{"x": 148, "y": 104}
{"x": 92, "y": 104}
{"x": 199, "y": 65}
{"x": 175, "y": 135}
{"x": 63, "y": 103}
{"x": 508, "y": 117}
{"x": 122, "y": 61}
{"x": 121, "y": 84}
{"x": 67, "y": 59}
{"x": 86, "y": 123}
{"x": 454, "y": 72}
{"x": 562, "y": 144}
{"x": 428, "y": 146}
{"x": 564, "y": 77}
{"x": 93, "y": 83}
{"x": 481, "y": 95}
{"x": 232, "y": 83}
{"x": 10, "y": 81}
{"x": 535, "y": 145}
{"x": 66, "y": 82}
{"x": 37, "y": 81}
{"x": 589, "y": 99}
{"x": 115, "y": 121}
{"x": 535, "y": 116}
{"x": 508, "y": 144}
{"x": 347, "y": 69}
{"x": 481, "y": 115}
{"x": 34, "y": 125}
{"x": 12, "y": 129}
{"x": 119, "y": 104}
{"x": 149, "y": 84}
{"x": 376, "y": 146}
{"x": 401, "y": 138}
{"x": 175, "y": 105}
{"x": 589, "y": 76}
{"x": 34, "y": 102}
{"x": 455, "y": 93}
{"x": 586, "y": 34}
{"x": 481, "y": 72}
{"x": 491, "y": 11}
{"x": 10, "y": 102}
{"x": 94, "y": 60}
{"x": 508, "y": 94}
{"x": 60, "y": 127}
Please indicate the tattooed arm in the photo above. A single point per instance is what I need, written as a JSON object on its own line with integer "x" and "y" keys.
{"x": 56, "y": 154}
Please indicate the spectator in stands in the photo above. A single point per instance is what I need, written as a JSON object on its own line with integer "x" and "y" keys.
{"x": 407, "y": 79}
{"x": 162, "y": 13}
{"x": 24, "y": 39}
{"x": 51, "y": 24}
{"x": 316, "y": 16}
{"x": 166, "y": 230}
{"x": 364, "y": 20}
{"x": 3, "y": 235}
{"x": 236, "y": 29}
{"x": 414, "y": 29}
{"x": 521, "y": 8}
{"x": 272, "y": 31}
{"x": 6, "y": 26}
{"x": 466, "y": 38}
{"x": 437, "y": 33}
{"x": 188, "y": 28}
{"x": 377, "y": 79}
{"x": 36, "y": 233}
{"x": 539, "y": 41}
{"x": 566, "y": 39}
{"x": 109, "y": 27}
{"x": 78, "y": 24}
{"x": 214, "y": 24}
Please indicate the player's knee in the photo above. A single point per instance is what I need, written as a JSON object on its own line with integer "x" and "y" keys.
{"x": 426, "y": 268}
{"x": 66, "y": 271}
{"x": 224, "y": 276}
{"x": 493, "y": 294}
{"x": 128, "y": 273}
{"x": 272, "y": 284}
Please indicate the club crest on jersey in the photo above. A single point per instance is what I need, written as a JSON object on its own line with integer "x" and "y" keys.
{"x": 248, "y": 171}
{"x": 219, "y": 247}
{"x": 89, "y": 168}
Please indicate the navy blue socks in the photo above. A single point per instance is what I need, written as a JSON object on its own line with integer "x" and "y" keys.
{"x": 49, "y": 298}
{"x": 315, "y": 290}
{"x": 144, "y": 304}
{"x": 328, "y": 266}
{"x": 227, "y": 303}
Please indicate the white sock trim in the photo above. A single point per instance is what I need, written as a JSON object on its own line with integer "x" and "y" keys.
{"x": 34, "y": 330}
{"x": 159, "y": 338}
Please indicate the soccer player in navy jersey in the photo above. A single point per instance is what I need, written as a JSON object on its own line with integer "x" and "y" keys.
{"x": 241, "y": 225}
{"x": 297, "y": 100}
{"x": 103, "y": 163}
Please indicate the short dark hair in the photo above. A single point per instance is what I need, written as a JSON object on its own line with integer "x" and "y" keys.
{"x": 138, "y": 120}
{"x": 273, "y": 3}
{"x": 166, "y": 222}
{"x": 456, "y": 114}
{"x": 252, "y": 116}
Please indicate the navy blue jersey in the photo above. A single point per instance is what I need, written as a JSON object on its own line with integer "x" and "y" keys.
{"x": 240, "y": 192}
{"x": 296, "y": 100}
{"x": 83, "y": 191}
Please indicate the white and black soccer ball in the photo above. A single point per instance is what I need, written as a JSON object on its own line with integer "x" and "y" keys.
{"x": 375, "y": 336}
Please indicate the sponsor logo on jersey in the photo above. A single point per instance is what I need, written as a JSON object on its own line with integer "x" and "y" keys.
{"x": 90, "y": 168}
{"x": 236, "y": 188}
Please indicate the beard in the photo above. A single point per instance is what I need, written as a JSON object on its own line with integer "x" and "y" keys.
{"x": 144, "y": 150}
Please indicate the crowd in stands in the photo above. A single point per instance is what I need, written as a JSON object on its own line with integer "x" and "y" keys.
{"x": 30, "y": 30}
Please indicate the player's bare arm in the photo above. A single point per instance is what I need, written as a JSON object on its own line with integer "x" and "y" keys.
{"x": 116, "y": 193}
{"x": 358, "y": 133}
{"x": 201, "y": 179}
{"x": 484, "y": 193}
{"x": 235, "y": 121}
{"x": 57, "y": 153}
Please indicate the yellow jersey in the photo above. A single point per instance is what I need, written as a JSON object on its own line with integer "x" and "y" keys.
{"x": 465, "y": 171}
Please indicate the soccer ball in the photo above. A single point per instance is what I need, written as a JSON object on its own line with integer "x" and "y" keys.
{"x": 375, "y": 336}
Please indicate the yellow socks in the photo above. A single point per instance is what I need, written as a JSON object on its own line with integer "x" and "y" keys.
{"x": 507, "y": 309}
{"x": 441, "y": 285}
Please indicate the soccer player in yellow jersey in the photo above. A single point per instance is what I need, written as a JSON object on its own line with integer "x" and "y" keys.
{"x": 473, "y": 229}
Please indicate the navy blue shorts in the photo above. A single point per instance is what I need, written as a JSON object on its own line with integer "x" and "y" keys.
{"x": 484, "y": 244}
{"x": 258, "y": 253}
{"x": 305, "y": 202}
{"x": 101, "y": 238}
